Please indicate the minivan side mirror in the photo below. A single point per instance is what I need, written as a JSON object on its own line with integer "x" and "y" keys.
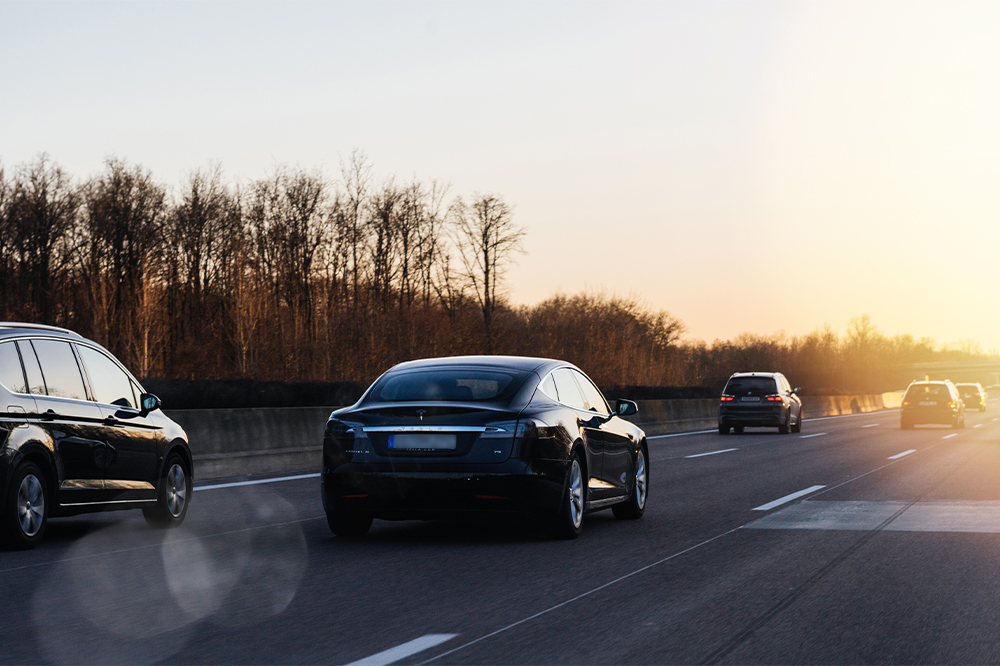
{"x": 149, "y": 403}
{"x": 626, "y": 408}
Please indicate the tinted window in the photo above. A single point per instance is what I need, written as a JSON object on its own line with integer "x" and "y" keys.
{"x": 11, "y": 374}
{"x": 595, "y": 402}
{"x": 59, "y": 367}
{"x": 569, "y": 392}
{"x": 751, "y": 386}
{"x": 449, "y": 385}
{"x": 108, "y": 382}
{"x": 918, "y": 392}
{"x": 549, "y": 388}
{"x": 31, "y": 368}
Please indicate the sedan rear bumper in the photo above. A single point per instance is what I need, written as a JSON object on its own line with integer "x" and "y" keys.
{"x": 400, "y": 494}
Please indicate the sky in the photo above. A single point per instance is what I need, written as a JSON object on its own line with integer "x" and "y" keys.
{"x": 749, "y": 166}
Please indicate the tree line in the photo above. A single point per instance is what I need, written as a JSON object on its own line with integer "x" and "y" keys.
{"x": 300, "y": 277}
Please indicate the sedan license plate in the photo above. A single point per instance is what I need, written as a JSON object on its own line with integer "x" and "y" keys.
{"x": 422, "y": 442}
{"x": 928, "y": 403}
{"x": 750, "y": 399}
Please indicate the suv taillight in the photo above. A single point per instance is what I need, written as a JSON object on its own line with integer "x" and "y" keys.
{"x": 774, "y": 398}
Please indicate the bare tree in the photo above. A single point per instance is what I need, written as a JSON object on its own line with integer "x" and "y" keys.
{"x": 41, "y": 216}
{"x": 357, "y": 177}
{"x": 487, "y": 239}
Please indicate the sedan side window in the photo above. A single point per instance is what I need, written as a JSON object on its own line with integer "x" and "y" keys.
{"x": 549, "y": 388}
{"x": 595, "y": 401}
{"x": 11, "y": 373}
{"x": 60, "y": 369}
{"x": 569, "y": 392}
{"x": 110, "y": 384}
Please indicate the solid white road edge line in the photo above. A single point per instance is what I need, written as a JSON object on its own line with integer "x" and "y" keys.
{"x": 684, "y": 434}
{"x": 870, "y": 425}
{"x": 787, "y": 498}
{"x": 258, "y": 481}
{"x": 818, "y": 434}
{"x": 900, "y": 455}
{"x": 711, "y": 453}
{"x": 403, "y": 651}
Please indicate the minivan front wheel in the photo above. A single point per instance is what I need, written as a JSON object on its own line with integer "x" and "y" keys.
{"x": 173, "y": 495}
{"x": 26, "y": 510}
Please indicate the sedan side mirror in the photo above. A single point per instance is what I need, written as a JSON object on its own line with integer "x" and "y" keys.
{"x": 149, "y": 403}
{"x": 626, "y": 408}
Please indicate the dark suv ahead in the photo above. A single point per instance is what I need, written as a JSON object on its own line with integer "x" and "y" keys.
{"x": 78, "y": 434}
{"x": 759, "y": 399}
{"x": 932, "y": 402}
{"x": 973, "y": 396}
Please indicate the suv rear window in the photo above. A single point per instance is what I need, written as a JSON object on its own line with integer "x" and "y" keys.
{"x": 751, "y": 386}
{"x": 928, "y": 392}
{"x": 448, "y": 385}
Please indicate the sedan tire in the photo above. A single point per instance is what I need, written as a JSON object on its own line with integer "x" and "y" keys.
{"x": 348, "y": 525}
{"x": 636, "y": 504}
{"x": 26, "y": 509}
{"x": 568, "y": 523}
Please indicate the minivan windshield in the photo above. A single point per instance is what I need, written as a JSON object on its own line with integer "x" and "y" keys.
{"x": 448, "y": 385}
{"x": 751, "y": 386}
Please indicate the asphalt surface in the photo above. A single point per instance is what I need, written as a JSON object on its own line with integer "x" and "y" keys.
{"x": 886, "y": 559}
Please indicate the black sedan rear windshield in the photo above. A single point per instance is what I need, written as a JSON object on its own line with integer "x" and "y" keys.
{"x": 448, "y": 385}
{"x": 751, "y": 386}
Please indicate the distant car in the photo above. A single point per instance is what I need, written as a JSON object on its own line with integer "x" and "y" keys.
{"x": 453, "y": 437}
{"x": 932, "y": 402}
{"x": 973, "y": 396}
{"x": 759, "y": 399}
{"x": 79, "y": 434}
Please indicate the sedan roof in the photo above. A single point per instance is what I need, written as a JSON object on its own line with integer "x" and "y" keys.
{"x": 521, "y": 363}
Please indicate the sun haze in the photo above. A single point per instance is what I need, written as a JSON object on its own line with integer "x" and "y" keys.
{"x": 748, "y": 166}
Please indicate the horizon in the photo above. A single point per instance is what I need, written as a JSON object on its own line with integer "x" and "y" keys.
{"x": 843, "y": 145}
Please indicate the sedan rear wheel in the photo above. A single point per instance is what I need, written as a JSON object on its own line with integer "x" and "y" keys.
{"x": 568, "y": 523}
{"x": 26, "y": 510}
{"x": 348, "y": 525}
{"x": 636, "y": 504}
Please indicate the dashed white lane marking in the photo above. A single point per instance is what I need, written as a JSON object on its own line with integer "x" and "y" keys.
{"x": 978, "y": 425}
{"x": 403, "y": 651}
{"x": 997, "y": 419}
{"x": 816, "y": 434}
{"x": 684, "y": 434}
{"x": 787, "y": 498}
{"x": 258, "y": 481}
{"x": 900, "y": 455}
{"x": 870, "y": 425}
{"x": 711, "y": 453}
{"x": 954, "y": 434}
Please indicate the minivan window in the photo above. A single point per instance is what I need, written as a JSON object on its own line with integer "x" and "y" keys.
{"x": 108, "y": 382}
{"x": 59, "y": 367}
{"x": 36, "y": 383}
{"x": 11, "y": 374}
{"x": 751, "y": 386}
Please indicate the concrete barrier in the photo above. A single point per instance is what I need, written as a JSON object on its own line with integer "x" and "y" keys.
{"x": 243, "y": 442}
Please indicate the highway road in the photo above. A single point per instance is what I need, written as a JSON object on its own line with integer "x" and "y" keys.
{"x": 853, "y": 542}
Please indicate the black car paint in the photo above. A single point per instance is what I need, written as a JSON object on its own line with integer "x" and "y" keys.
{"x": 522, "y": 475}
{"x": 92, "y": 457}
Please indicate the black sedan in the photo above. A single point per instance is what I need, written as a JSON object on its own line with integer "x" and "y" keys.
{"x": 453, "y": 437}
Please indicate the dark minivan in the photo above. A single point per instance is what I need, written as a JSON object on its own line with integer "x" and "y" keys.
{"x": 79, "y": 434}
